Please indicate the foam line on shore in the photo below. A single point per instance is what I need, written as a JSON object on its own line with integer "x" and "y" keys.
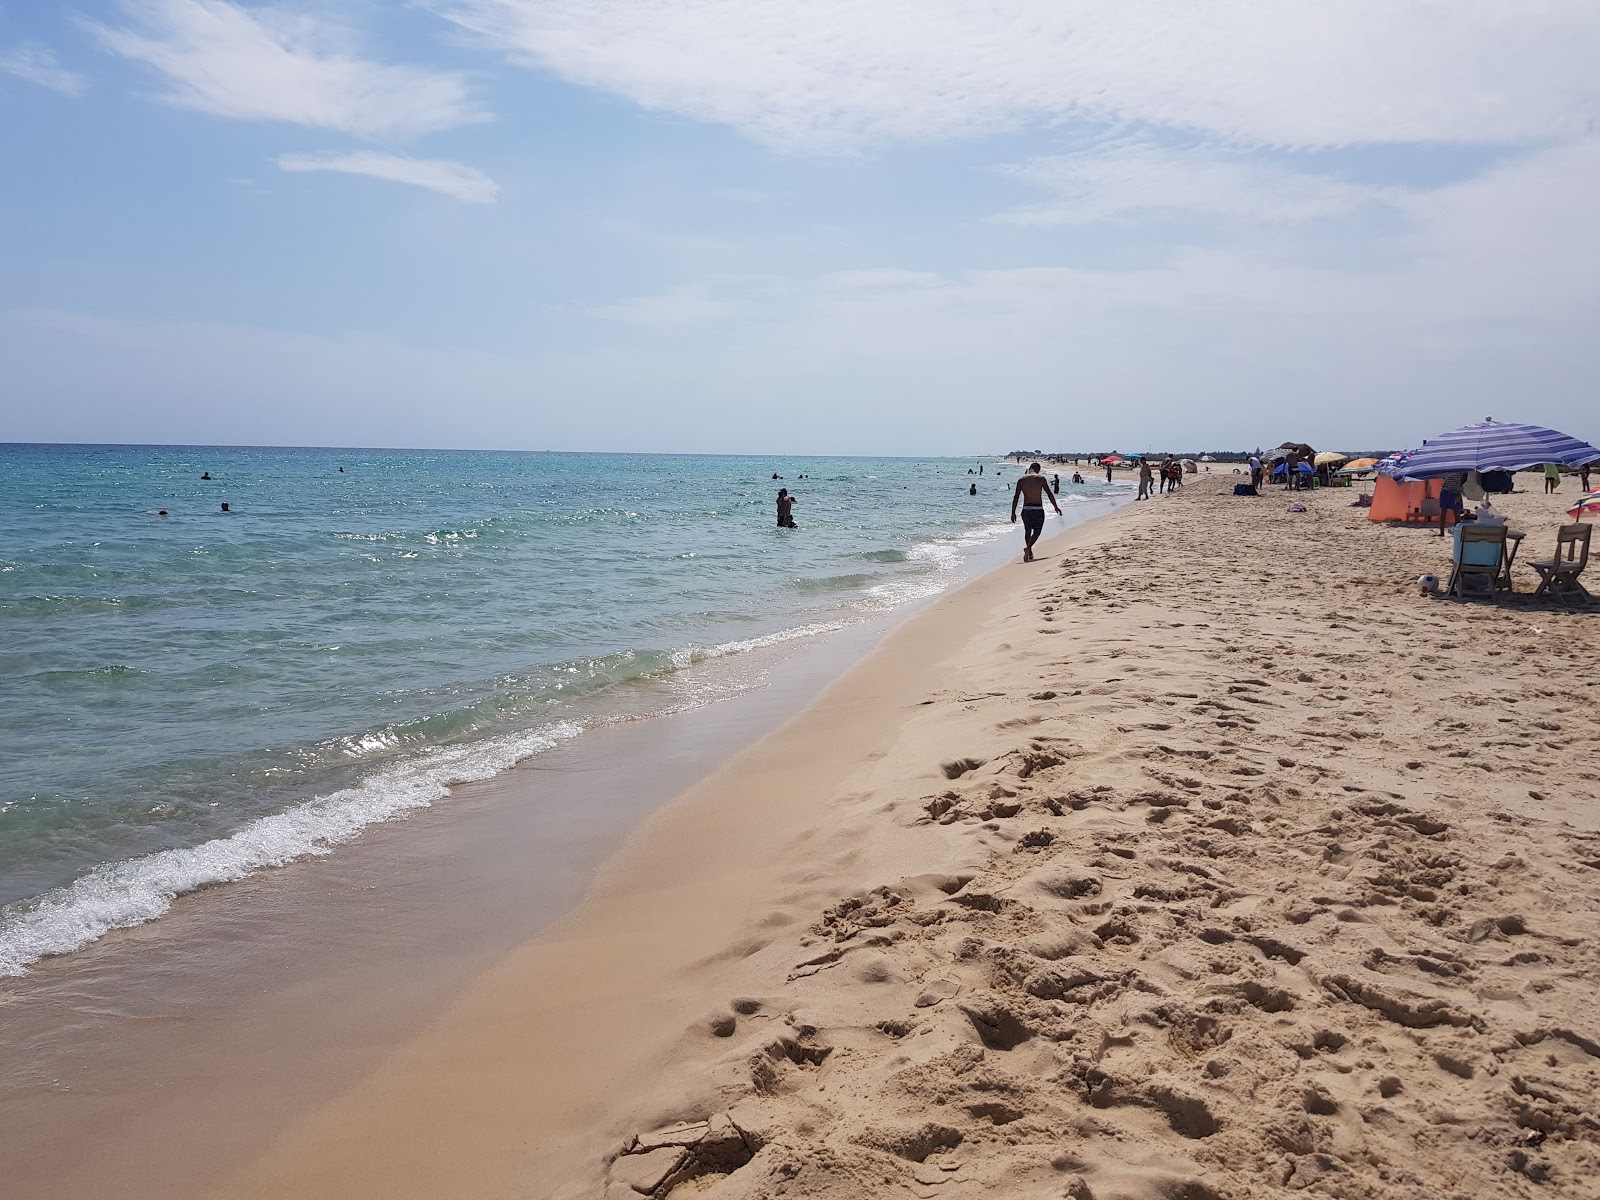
{"x": 123, "y": 894}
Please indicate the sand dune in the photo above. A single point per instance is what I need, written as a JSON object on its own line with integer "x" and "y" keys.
{"x": 1203, "y": 858}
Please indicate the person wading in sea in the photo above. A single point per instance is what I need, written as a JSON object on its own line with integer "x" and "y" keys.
{"x": 786, "y": 510}
{"x": 1033, "y": 489}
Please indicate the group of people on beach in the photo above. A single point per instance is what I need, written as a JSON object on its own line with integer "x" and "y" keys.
{"x": 1167, "y": 475}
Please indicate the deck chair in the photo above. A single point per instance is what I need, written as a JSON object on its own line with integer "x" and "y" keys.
{"x": 1558, "y": 576}
{"x": 1476, "y": 562}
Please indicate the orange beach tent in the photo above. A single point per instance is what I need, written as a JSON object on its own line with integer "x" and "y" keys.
{"x": 1393, "y": 500}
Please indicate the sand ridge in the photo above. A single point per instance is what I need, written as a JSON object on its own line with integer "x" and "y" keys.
{"x": 1255, "y": 883}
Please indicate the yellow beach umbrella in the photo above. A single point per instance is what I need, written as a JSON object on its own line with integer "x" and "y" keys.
{"x": 1327, "y": 458}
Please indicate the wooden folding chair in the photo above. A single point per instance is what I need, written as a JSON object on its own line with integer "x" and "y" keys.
{"x": 1476, "y": 562}
{"x": 1558, "y": 576}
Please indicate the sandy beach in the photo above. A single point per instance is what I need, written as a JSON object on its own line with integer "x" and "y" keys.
{"x": 1202, "y": 858}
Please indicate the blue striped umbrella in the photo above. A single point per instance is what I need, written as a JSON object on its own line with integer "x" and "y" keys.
{"x": 1492, "y": 446}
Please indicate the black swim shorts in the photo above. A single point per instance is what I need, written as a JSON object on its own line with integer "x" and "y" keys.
{"x": 1033, "y": 521}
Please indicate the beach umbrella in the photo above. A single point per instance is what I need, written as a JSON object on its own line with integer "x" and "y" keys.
{"x": 1491, "y": 445}
{"x": 1327, "y": 458}
{"x": 1111, "y": 458}
{"x": 1360, "y": 464}
{"x": 1588, "y": 504}
{"x": 1394, "y": 465}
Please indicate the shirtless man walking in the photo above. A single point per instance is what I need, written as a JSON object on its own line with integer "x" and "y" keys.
{"x": 1032, "y": 490}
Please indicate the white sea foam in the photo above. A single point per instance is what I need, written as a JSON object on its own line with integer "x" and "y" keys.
{"x": 944, "y": 556}
{"x": 690, "y": 655}
{"x": 123, "y": 894}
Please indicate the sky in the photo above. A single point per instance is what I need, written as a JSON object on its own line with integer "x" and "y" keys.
{"x": 843, "y": 226}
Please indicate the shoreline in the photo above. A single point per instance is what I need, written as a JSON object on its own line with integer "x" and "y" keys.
{"x": 303, "y": 977}
{"x": 626, "y": 939}
{"x": 1237, "y": 900}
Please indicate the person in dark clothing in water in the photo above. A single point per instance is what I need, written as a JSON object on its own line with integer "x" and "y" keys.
{"x": 786, "y": 510}
{"x": 1033, "y": 489}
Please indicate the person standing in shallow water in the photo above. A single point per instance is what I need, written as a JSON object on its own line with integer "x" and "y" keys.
{"x": 1032, "y": 490}
{"x": 786, "y": 510}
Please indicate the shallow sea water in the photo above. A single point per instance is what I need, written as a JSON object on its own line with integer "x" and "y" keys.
{"x": 193, "y": 697}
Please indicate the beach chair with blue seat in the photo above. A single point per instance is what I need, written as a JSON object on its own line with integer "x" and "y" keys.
{"x": 1476, "y": 562}
{"x": 1558, "y": 576}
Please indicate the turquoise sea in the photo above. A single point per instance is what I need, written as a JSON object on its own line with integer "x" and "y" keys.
{"x": 193, "y": 697}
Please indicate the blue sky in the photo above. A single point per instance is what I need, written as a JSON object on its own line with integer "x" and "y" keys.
{"x": 888, "y": 226}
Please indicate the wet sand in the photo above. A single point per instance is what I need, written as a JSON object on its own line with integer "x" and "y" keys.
{"x": 1203, "y": 858}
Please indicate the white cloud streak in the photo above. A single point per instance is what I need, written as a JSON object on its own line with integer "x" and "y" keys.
{"x": 452, "y": 179}
{"x": 266, "y": 64}
{"x": 836, "y": 74}
{"x": 1130, "y": 183}
{"x": 39, "y": 65}
{"x": 677, "y": 309}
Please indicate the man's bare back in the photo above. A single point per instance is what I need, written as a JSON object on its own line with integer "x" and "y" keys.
{"x": 1032, "y": 490}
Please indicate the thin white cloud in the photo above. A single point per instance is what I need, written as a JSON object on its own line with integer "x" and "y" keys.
{"x": 676, "y": 309}
{"x": 267, "y": 64}
{"x": 874, "y": 278}
{"x": 38, "y": 64}
{"x": 464, "y": 183}
{"x": 840, "y": 73}
{"x": 1133, "y": 182}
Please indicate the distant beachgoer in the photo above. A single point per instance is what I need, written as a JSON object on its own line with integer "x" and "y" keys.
{"x": 973, "y": 489}
{"x": 1552, "y": 478}
{"x": 1291, "y": 471}
{"x": 1583, "y": 478}
{"x": 1108, "y": 472}
{"x": 786, "y": 510}
{"x": 341, "y": 470}
{"x": 970, "y": 471}
{"x": 225, "y": 507}
{"x": 1032, "y": 490}
{"x": 161, "y": 512}
{"x": 980, "y": 468}
{"x": 1146, "y": 478}
{"x": 775, "y": 475}
{"x": 1055, "y": 482}
{"x": 1255, "y": 472}
{"x": 207, "y": 475}
{"x": 1077, "y": 478}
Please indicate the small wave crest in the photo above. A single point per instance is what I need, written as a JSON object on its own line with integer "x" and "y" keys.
{"x": 123, "y": 894}
{"x": 692, "y": 654}
{"x": 112, "y": 673}
{"x": 831, "y": 583}
{"x": 54, "y": 606}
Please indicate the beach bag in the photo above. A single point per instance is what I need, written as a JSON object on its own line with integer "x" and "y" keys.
{"x": 1245, "y": 489}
